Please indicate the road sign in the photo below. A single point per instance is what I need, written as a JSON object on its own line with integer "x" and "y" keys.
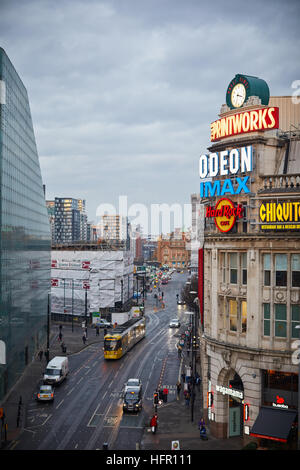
{"x": 175, "y": 445}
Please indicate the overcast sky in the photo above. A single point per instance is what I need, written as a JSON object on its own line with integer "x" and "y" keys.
{"x": 122, "y": 92}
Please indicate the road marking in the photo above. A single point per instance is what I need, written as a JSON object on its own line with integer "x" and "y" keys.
{"x": 59, "y": 404}
{"x": 70, "y": 391}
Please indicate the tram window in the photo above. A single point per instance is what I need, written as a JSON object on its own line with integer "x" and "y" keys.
{"x": 112, "y": 344}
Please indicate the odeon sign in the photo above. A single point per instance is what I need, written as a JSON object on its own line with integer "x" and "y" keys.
{"x": 225, "y": 163}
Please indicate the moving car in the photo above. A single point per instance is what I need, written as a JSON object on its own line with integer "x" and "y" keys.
{"x": 132, "y": 400}
{"x": 180, "y": 302}
{"x": 133, "y": 383}
{"x": 56, "y": 371}
{"x": 174, "y": 323}
{"x": 45, "y": 393}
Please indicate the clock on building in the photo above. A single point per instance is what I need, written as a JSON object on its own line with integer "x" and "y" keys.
{"x": 242, "y": 87}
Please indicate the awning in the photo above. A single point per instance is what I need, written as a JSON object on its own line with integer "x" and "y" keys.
{"x": 273, "y": 423}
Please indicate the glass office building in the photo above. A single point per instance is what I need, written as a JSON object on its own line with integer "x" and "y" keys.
{"x": 25, "y": 240}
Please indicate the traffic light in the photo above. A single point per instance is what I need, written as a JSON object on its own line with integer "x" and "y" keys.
{"x": 155, "y": 398}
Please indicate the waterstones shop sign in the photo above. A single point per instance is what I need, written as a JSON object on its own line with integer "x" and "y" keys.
{"x": 228, "y": 164}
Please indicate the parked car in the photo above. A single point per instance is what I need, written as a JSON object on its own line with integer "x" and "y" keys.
{"x": 45, "y": 393}
{"x": 174, "y": 323}
{"x": 102, "y": 323}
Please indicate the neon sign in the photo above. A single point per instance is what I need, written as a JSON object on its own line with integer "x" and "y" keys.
{"x": 225, "y": 214}
{"x": 280, "y": 215}
{"x": 223, "y": 164}
{"x": 247, "y": 121}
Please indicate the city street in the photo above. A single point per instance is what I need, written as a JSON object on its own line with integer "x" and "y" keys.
{"x": 87, "y": 410}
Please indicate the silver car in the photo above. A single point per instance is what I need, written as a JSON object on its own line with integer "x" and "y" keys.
{"x": 45, "y": 393}
{"x": 174, "y": 323}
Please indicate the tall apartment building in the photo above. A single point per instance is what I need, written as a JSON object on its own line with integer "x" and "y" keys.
{"x": 69, "y": 223}
{"x": 249, "y": 280}
{"x": 112, "y": 227}
{"x": 25, "y": 244}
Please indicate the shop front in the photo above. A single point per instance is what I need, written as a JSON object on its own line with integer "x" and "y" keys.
{"x": 276, "y": 423}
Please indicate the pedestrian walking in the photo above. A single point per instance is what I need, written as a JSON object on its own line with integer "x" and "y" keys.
{"x": 153, "y": 423}
{"x": 187, "y": 398}
{"x": 165, "y": 394}
{"x": 178, "y": 386}
{"x": 60, "y": 336}
{"x": 183, "y": 377}
{"x": 202, "y": 429}
{"x": 97, "y": 330}
{"x": 84, "y": 338}
{"x": 63, "y": 348}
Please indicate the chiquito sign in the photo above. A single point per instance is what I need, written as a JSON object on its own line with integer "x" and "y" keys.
{"x": 225, "y": 164}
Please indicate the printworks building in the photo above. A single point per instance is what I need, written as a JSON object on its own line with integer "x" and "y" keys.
{"x": 249, "y": 267}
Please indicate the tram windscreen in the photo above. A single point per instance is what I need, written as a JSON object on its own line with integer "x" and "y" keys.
{"x": 111, "y": 344}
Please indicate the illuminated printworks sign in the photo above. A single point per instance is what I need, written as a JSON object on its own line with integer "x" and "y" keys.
{"x": 225, "y": 163}
{"x": 280, "y": 215}
{"x": 225, "y": 214}
{"x": 262, "y": 119}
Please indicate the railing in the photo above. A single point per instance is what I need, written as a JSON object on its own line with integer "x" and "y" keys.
{"x": 283, "y": 182}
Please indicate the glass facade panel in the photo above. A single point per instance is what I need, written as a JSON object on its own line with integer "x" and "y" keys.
{"x": 24, "y": 232}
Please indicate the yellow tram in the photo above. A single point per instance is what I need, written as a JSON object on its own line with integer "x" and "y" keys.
{"x": 124, "y": 337}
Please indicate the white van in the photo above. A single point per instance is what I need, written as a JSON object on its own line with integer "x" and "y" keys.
{"x": 56, "y": 370}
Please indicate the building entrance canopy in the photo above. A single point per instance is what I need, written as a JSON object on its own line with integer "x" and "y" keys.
{"x": 273, "y": 424}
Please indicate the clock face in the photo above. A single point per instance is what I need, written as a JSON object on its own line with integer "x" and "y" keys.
{"x": 238, "y": 95}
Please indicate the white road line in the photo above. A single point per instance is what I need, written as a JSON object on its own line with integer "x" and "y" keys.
{"x": 70, "y": 391}
{"x": 95, "y": 412}
{"x": 59, "y": 404}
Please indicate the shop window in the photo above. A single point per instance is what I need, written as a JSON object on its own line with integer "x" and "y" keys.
{"x": 244, "y": 268}
{"x": 280, "y": 320}
{"x": 267, "y": 319}
{"x": 295, "y": 321}
{"x": 244, "y": 316}
{"x": 233, "y": 315}
{"x": 267, "y": 269}
{"x": 233, "y": 268}
{"x": 281, "y": 269}
{"x": 295, "y": 264}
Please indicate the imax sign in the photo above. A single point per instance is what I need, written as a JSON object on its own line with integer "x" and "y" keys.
{"x": 225, "y": 163}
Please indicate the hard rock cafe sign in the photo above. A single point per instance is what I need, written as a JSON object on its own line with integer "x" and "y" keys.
{"x": 225, "y": 214}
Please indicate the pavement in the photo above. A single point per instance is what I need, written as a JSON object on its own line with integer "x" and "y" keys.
{"x": 176, "y": 420}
